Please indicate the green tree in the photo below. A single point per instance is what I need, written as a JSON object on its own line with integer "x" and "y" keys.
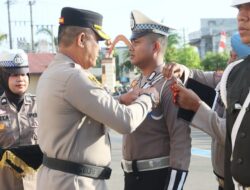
{"x": 127, "y": 66}
{"x": 2, "y": 37}
{"x": 215, "y": 61}
{"x": 171, "y": 51}
{"x": 189, "y": 57}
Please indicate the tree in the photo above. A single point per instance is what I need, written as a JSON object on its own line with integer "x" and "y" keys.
{"x": 215, "y": 61}
{"x": 185, "y": 55}
{"x": 171, "y": 51}
{"x": 2, "y": 37}
{"x": 189, "y": 57}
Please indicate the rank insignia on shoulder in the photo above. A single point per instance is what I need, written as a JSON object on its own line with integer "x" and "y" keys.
{"x": 4, "y": 101}
{"x": 93, "y": 79}
{"x": 134, "y": 83}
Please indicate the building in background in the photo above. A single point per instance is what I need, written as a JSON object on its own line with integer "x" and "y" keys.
{"x": 209, "y": 35}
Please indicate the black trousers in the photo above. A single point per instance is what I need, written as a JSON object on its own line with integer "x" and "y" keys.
{"x": 146, "y": 180}
{"x": 220, "y": 188}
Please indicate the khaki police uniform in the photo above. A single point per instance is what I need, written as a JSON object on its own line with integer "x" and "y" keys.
{"x": 17, "y": 129}
{"x": 161, "y": 142}
{"x": 73, "y": 109}
{"x": 212, "y": 122}
{"x": 236, "y": 83}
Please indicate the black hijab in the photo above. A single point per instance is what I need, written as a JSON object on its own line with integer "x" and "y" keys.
{"x": 14, "y": 99}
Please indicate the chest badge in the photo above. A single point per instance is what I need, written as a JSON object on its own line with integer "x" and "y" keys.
{"x": 2, "y": 126}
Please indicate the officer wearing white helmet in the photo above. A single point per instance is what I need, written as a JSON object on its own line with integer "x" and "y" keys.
{"x": 235, "y": 94}
{"x": 157, "y": 154}
{"x": 18, "y": 124}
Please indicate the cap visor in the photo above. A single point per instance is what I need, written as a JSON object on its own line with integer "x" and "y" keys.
{"x": 22, "y": 70}
{"x": 136, "y": 35}
{"x": 101, "y": 34}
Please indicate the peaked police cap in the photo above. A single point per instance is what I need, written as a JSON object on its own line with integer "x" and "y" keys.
{"x": 14, "y": 61}
{"x": 83, "y": 18}
{"x": 142, "y": 25}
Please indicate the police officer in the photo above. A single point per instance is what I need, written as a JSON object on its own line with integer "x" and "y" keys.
{"x": 18, "y": 122}
{"x": 157, "y": 154}
{"x": 211, "y": 121}
{"x": 73, "y": 109}
{"x": 235, "y": 85}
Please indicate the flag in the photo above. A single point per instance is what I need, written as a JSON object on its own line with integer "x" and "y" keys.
{"x": 222, "y": 43}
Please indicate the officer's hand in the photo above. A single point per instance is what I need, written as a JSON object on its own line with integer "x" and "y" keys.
{"x": 130, "y": 96}
{"x": 185, "y": 98}
{"x": 173, "y": 70}
{"x": 155, "y": 97}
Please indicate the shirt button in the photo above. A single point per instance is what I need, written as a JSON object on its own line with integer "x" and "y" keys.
{"x": 239, "y": 161}
{"x": 243, "y": 135}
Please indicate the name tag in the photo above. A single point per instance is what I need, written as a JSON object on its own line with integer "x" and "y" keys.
{"x": 32, "y": 115}
{"x": 4, "y": 117}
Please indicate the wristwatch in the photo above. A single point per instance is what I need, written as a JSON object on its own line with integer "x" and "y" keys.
{"x": 153, "y": 98}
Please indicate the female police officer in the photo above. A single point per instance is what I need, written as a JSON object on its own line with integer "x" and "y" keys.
{"x": 18, "y": 122}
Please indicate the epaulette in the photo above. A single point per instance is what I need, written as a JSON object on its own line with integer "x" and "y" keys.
{"x": 29, "y": 98}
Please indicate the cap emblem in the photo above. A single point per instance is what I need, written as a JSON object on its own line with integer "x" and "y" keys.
{"x": 18, "y": 60}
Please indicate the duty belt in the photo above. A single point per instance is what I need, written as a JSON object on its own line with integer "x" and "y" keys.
{"x": 86, "y": 170}
{"x": 145, "y": 165}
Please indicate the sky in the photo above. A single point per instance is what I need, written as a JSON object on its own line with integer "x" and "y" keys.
{"x": 183, "y": 15}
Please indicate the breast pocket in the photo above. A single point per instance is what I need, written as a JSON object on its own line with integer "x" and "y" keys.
{"x": 7, "y": 133}
{"x": 4, "y": 123}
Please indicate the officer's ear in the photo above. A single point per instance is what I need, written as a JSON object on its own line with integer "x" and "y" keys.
{"x": 156, "y": 47}
{"x": 81, "y": 39}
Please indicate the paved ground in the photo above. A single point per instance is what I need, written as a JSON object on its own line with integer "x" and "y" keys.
{"x": 200, "y": 174}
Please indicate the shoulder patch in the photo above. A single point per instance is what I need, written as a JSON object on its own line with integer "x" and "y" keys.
{"x": 4, "y": 101}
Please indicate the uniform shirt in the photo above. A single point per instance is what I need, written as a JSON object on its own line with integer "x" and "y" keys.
{"x": 238, "y": 163}
{"x": 161, "y": 133}
{"x": 212, "y": 122}
{"x": 73, "y": 109}
{"x": 17, "y": 129}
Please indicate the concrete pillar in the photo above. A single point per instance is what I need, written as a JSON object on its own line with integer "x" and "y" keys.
{"x": 108, "y": 73}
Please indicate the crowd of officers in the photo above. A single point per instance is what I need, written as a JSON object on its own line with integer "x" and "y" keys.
{"x": 72, "y": 113}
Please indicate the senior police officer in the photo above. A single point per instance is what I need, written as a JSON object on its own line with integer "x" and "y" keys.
{"x": 156, "y": 154}
{"x": 235, "y": 94}
{"x": 18, "y": 123}
{"x": 73, "y": 109}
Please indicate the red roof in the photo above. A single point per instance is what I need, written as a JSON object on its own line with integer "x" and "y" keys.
{"x": 38, "y": 62}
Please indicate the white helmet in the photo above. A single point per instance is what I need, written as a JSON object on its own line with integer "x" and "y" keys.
{"x": 14, "y": 61}
{"x": 239, "y": 2}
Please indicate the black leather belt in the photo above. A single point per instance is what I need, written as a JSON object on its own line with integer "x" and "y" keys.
{"x": 86, "y": 170}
